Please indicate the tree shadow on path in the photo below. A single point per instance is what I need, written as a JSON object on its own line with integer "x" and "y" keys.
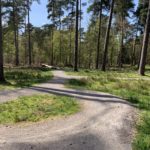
{"x": 79, "y": 141}
{"x": 83, "y": 95}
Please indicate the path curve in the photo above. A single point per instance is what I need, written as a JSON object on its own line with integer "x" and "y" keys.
{"x": 105, "y": 123}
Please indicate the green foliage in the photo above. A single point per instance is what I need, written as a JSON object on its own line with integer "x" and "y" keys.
{"x": 141, "y": 11}
{"x": 36, "y": 108}
{"x": 129, "y": 86}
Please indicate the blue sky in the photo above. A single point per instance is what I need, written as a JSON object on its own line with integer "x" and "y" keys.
{"x": 39, "y": 14}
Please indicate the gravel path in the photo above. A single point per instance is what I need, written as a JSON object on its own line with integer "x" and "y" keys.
{"x": 105, "y": 123}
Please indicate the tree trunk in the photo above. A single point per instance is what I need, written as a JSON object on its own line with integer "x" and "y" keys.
{"x": 107, "y": 37}
{"x": 15, "y": 34}
{"x": 139, "y": 57}
{"x": 111, "y": 55}
{"x": 29, "y": 36}
{"x": 25, "y": 44}
{"x": 60, "y": 41}
{"x": 133, "y": 61}
{"x": 17, "y": 47}
{"x": 133, "y": 57}
{"x": 52, "y": 46}
{"x": 76, "y": 37}
{"x": 145, "y": 44}
{"x": 2, "y": 79}
{"x": 99, "y": 37}
{"x": 70, "y": 45}
{"x": 120, "y": 57}
{"x": 80, "y": 32}
{"x": 71, "y": 31}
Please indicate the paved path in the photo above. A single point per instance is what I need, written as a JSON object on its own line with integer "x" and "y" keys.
{"x": 105, "y": 123}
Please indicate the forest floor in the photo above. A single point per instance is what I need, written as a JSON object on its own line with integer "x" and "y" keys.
{"x": 106, "y": 122}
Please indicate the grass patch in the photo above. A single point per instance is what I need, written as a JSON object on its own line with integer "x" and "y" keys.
{"x": 132, "y": 74}
{"x": 136, "y": 89}
{"x": 18, "y": 78}
{"x": 82, "y": 82}
{"x": 142, "y": 140}
{"x": 37, "y": 107}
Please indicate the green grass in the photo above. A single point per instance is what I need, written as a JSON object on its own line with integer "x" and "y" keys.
{"x": 37, "y": 107}
{"x": 18, "y": 78}
{"x": 136, "y": 89}
{"x": 132, "y": 74}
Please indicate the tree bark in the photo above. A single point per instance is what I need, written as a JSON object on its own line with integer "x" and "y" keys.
{"x": 107, "y": 37}
{"x": 52, "y": 46}
{"x": 145, "y": 44}
{"x": 15, "y": 34}
{"x": 2, "y": 79}
{"x": 80, "y": 33}
{"x": 60, "y": 41}
{"x": 133, "y": 61}
{"x": 76, "y": 37}
{"x": 120, "y": 57}
{"x": 139, "y": 57}
{"x": 133, "y": 57}
{"x": 70, "y": 45}
{"x": 29, "y": 35}
{"x": 99, "y": 37}
{"x": 25, "y": 44}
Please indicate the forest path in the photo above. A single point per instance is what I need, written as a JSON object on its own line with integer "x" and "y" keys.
{"x": 105, "y": 122}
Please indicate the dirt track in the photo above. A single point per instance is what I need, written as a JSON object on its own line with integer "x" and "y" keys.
{"x": 105, "y": 123}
